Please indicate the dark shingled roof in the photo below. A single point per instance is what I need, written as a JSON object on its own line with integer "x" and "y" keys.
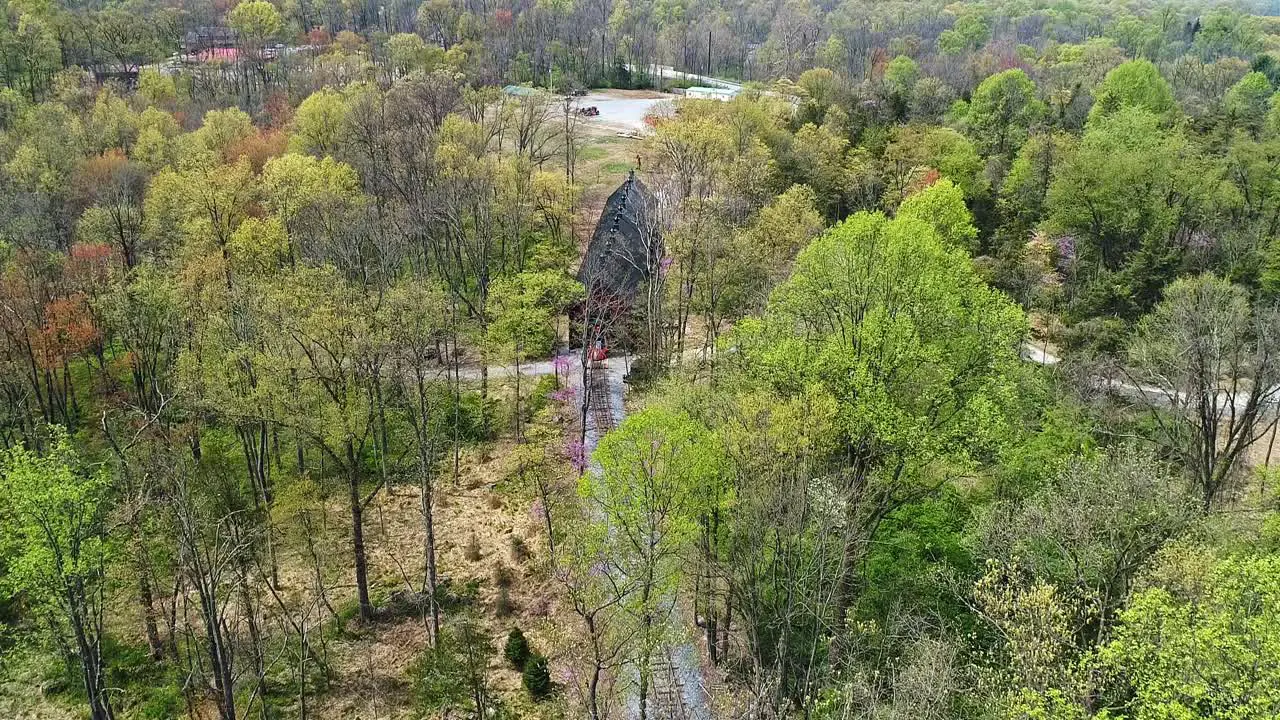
{"x": 616, "y": 262}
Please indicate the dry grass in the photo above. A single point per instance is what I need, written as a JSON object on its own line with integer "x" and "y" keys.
{"x": 374, "y": 660}
{"x": 603, "y": 165}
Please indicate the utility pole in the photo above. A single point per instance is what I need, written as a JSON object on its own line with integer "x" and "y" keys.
{"x": 708, "y": 52}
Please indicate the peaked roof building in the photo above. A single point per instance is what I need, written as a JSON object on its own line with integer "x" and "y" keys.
{"x": 625, "y": 249}
{"x": 625, "y": 245}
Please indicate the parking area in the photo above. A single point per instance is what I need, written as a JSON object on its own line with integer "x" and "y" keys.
{"x": 622, "y": 110}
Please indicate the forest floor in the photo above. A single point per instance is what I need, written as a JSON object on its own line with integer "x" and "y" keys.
{"x": 484, "y": 509}
{"x": 490, "y": 508}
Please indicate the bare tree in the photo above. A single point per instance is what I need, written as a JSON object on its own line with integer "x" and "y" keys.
{"x": 1207, "y": 367}
{"x": 418, "y": 323}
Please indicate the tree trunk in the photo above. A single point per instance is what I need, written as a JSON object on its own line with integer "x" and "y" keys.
{"x": 427, "y": 499}
{"x": 357, "y": 533}
{"x": 147, "y": 599}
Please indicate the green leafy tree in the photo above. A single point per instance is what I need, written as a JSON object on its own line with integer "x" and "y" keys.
{"x": 1023, "y": 193}
{"x": 409, "y": 53}
{"x": 1137, "y": 83}
{"x": 318, "y": 123}
{"x": 1247, "y": 102}
{"x": 1199, "y": 639}
{"x": 516, "y": 650}
{"x": 256, "y": 22}
{"x": 1002, "y": 110}
{"x": 323, "y": 357}
{"x": 317, "y": 199}
{"x": 119, "y": 35}
{"x": 157, "y": 143}
{"x": 821, "y": 90}
{"x": 1269, "y": 279}
{"x": 916, "y": 352}
{"x": 1273, "y": 116}
{"x": 525, "y": 309}
{"x": 258, "y": 247}
{"x": 452, "y": 677}
{"x": 942, "y": 205}
{"x": 1111, "y": 195}
{"x": 900, "y": 78}
{"x": 219, "y": 133}
{"x": 970, "y": 32}
{"x": 54, "y": 531}
{"x": 199, "y": 209}
{"x": 757, "y": 257}
{"x": 157, "y": 88}
{"x": 647, "y": 493}
{"x": 1226, "y": 32}
{"x": 112, "y": 123}
{"x": 1034, "y": 672}
{"x": 1091, "y": 529}
{"x": 818, "y": 159}
{"x": 536, "y": 677}
{"x": 34, "y": 50}
{"x": 915, "y": 152}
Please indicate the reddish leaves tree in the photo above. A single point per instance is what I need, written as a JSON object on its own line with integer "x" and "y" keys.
{"x": 259, "y": 147}
{"x": 68, "y": 331}
{"x": 319, "y": 36}
{"x": 922, "y": 181}
{"x": 89, "y": 266}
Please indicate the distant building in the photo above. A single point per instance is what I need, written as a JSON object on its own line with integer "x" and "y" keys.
{"x": 625, "y": 249}
{"x": 200, "y": 39}
{"x": 699, "y": 92}
{"x": 520, "y": 91}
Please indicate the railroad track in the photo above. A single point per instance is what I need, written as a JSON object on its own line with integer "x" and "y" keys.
{"x": 666, "y": 692}
{"x": 598, "y": 399}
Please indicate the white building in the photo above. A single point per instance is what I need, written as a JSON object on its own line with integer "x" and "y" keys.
{"x": 699, "y": 92}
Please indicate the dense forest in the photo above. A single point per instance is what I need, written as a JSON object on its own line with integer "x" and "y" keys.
{"x": 355, "y": 364}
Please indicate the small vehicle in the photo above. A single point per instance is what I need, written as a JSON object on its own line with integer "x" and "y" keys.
{"x": 579, "y": 92}
{"x": 599, "y": 352}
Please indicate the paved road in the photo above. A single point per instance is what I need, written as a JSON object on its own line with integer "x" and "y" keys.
{"x": 666, "y": 71}
{"x": 528, "y": 369}
{"x": 1154, "y": 394}
{"x": 1031, "y": 352}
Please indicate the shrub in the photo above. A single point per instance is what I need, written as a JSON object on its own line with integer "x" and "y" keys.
{"x": 537, "y": 677}
{"x": 502, "y": 576}
{"x": 439, "y": 678}
{"x": 519, "y": 549}
{"x": 517, "y": 649}
{"x": 503, "y": 606}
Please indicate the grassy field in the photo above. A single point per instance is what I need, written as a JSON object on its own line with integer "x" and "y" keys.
{"x": 603, "y": 162}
